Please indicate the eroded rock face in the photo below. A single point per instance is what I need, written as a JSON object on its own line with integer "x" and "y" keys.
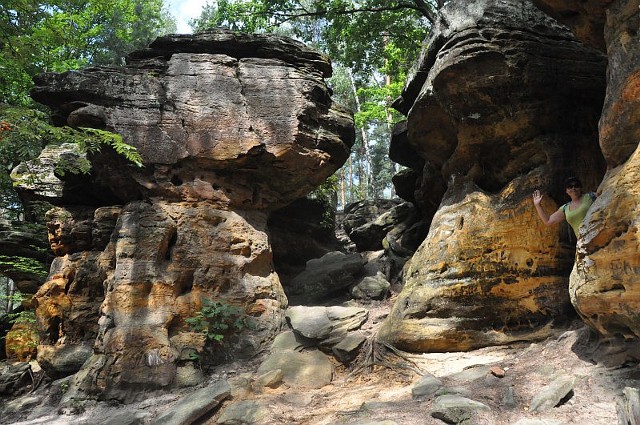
{"x": 603, "y": 284}
{"x": 620, "y": 122}
{"x": 471, "y": 285}
{"x": 497, "y": 107}
{"x": 169, "y": 257}
{"x": 229, "y": 127}
{"x": 585, "y": 18}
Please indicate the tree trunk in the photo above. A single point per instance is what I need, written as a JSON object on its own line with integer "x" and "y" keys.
{"x": 365, "y": 140}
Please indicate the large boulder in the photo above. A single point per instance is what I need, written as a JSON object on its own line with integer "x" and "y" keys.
{"x": 229, "y": 127}
{"x": 498, "y": 106}
{"x": 471, "y": 285}
{"x": 325, "y": 277}
{"x": 604, "y": 284}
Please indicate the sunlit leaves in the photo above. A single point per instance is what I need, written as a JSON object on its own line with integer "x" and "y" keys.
{"x": 58, "y": 35}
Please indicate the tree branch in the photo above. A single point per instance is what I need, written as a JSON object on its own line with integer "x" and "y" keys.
{"x": 427, "y": 10}
{"x": 419, "y": 6}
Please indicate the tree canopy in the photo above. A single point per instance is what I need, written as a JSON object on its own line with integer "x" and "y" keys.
{"x": 58, "y": 35}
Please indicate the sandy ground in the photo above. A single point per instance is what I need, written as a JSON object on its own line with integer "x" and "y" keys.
{"x": 385, "y": 394}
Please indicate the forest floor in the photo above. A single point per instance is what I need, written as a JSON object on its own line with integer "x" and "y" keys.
{"x": 384, "y": 394}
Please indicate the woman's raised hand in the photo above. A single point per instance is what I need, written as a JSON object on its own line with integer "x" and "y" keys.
{"x": 537, "y": 197}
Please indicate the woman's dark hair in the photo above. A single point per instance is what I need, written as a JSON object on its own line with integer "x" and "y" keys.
{"x": 572, "y": 181}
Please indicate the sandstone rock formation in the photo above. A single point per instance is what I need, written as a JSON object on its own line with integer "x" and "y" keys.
{"x": 503, "y": 100}
{"x": 229, "y": 127}
{"x": 604, "y": 284}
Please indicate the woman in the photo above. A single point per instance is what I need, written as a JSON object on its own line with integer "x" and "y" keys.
{"x": 574, "y": 211}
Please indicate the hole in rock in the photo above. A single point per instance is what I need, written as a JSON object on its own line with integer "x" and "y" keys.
{"x": 172, "y": 242}
{"x": 53, "y": 330}
{"x": 184, "y": 284}
{"x": 176, "y": 181}
{"x": 565, "y": 399}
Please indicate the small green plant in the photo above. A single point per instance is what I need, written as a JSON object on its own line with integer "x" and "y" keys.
{"x": 101, "y": 137}
{"x": 217, "y": 319}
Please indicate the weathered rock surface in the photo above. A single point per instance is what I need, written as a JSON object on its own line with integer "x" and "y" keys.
{"x": 371, "y": 287}
{"x": 586, "y": 19}
{"x": 454, "y": 409}
{"x": 245, "y": 412}
{"x": 191, "y": 408}
{"x": 41, "y": 180}
{"x": 552, "y": 394}
{"x": 496, "y": 107}
{"x": 13, "y": 377}
{"x": 426, "y": 386}
{"x": 300, "y": 365}
{"x": 68, "y": 309}
{"x": 324, "y": 276}
{"x": 358, "y": 222}
{"x": 471, "y": 285}
{"x": 604, "y": 286}
{"x": 326, "y": 326}
{"x": 239, "y": 120}
{"x": 620, "y": 122}
{"x": 229, "y": 127}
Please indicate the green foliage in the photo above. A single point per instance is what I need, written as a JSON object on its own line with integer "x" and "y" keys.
{"x": 25, "y": 337}
{"x": 58, "y": 35}
{"x": 19, "y": 264}
{"x": 99, "y": 138}
{"x": 327, "y": 194}
{"x": 237, "y": 16}
{"x": 217, "y": 319}
{"x": 376, "y": 104}
{"x": 27, "y": 131}
{"x": 23, "y": 316}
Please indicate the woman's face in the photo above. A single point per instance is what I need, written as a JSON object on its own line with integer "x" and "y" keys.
{"x": 574, "y": 188}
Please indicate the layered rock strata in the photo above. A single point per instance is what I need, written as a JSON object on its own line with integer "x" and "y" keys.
{"x": 229, "y": 127}
{"x": 503, "y": 100}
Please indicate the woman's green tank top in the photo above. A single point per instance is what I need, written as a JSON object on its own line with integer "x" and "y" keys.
{"x": 574, "y": 217}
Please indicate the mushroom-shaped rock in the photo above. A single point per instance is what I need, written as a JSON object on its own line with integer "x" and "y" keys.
{"x": 229, "y": 127}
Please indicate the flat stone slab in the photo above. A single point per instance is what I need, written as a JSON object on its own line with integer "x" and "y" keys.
{"x": 307, "y": 369}
{"x": 196, "y": 404}
{"x": 454, "y": 409}
{"x": 551, "y": 395}
{"x": 244, "y": 412}
{"x": 426, "y": 387}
